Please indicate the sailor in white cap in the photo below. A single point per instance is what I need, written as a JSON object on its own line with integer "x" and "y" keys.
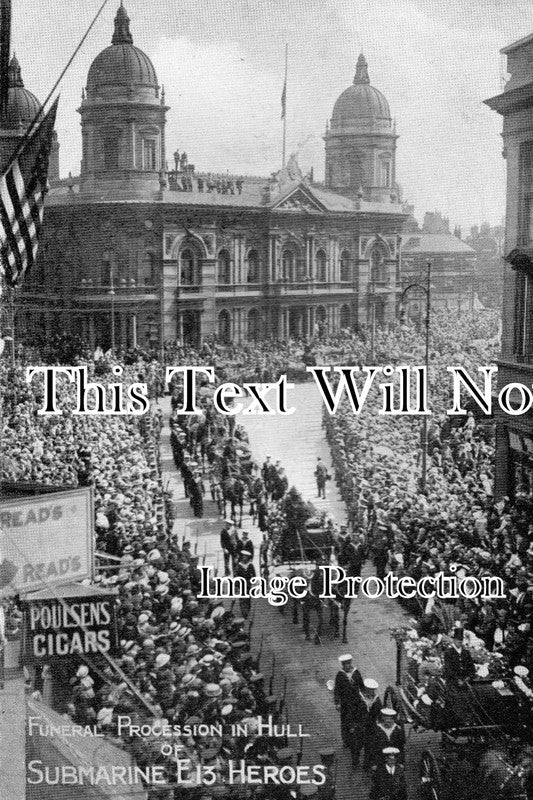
{"x": 348, "y": 682}
{"x": 365, "y": 714}
{"x": 389, "y": 779}
{"x": 386, "y": 732}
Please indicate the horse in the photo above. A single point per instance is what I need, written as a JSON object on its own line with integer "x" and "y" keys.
{"x": 233, "y": 491}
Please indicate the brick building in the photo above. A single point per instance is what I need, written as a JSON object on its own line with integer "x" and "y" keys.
{"x": 514, "y": 433}
{"x": 136, "y": 253}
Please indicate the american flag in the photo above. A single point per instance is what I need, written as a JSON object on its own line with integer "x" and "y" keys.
{"x": 23, "y": 187}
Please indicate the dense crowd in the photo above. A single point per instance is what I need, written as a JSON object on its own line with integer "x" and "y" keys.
{"x": 189, "y": 662}
{"x": 182, "y": 661}
{"x": 456, "y": 522}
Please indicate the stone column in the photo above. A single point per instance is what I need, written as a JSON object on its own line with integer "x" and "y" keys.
{"x": 208, "y": 317}
{"x": 123, "y": 319}
{"x": 311, "y": 321}
{"x": 273, "y": 257}
{"x": 133, "y": 145}
{"x": 134, "y": 330}
{"x": 236, "y": 260}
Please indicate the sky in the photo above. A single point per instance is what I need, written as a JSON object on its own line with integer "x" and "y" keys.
{"x": 222, "y": 65}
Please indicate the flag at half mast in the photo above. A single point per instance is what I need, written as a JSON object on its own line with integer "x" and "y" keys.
{"x": 23, "y": 187}
{"x": 284, "y": 92}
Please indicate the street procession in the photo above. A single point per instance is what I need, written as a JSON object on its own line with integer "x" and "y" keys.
{"x": 266, "y": 490}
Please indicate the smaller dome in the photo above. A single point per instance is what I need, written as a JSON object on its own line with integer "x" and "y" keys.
{"x": 121, "y": 64}
{"x": 361, "y": 101}
{"x": 22, "y": 105}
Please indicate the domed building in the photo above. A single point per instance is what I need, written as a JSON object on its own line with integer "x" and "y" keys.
{"x": 122, "y": 118}
{"x": 361, "y": 141}
{"x": 137, "y": 251}
{"x": 22, "y": 108}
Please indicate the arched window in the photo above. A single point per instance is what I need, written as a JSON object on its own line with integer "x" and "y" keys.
{"x": 224, "y": 267}
{"x": 345, "y": 316}
{"x": 254, "y": 325}
{"x": 253, "y": 267}
{"x": 108, "y": 274}
{"x": 224, "y": 327}
{"x": 386, "y": 173}
{"x": 377, "y": 265}
{"x": 346, "y": 263}
{"x": 149, "y": 154}
{"x": 321, "y": 265}
{"x": 190, "y": 272}
{"x": 288, "y": 262}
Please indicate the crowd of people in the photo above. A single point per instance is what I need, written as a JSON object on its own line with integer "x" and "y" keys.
{"x": 191, "y": 662}
{"x": 455, "y": 522}
{"x": 182, "y": 661}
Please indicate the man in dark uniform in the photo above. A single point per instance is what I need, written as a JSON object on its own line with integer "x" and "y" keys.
{"x": 349, "y": 555}
{"x": 245, "y": 545}
{"x": 187, "y": 477}
{"x": 386, "y": 733}
{"x": 388, "y": 782}
{"x": 178, "y": 450}
{"x": 227, "y": 545}
{"x": 321, "y": 474}
{"x": 245, "y": 569}
{"x": 265, "y": 474}
{"x": 312, "y": 602}
{"x": 348, "y": 681}
{"x": 196, "y": 498}
{"x": 365, "y": 713}
{"x": 458, "y": 663}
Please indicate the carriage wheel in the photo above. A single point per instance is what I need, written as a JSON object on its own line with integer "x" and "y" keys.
{"x": 430, "y": 777}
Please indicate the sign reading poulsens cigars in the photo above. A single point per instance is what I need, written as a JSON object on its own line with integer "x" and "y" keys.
{"x": 45, "y": 540}
{"x": 66, "y": 626}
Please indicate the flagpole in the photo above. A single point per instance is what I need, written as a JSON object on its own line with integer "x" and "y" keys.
{"x": 285, "y": 108}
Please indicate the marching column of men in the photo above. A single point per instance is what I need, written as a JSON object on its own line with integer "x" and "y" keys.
{"x": 233, "y": 546}
{"x": 370, "y": 728}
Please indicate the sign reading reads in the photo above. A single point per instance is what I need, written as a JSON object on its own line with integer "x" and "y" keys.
{"x": 45, "y": 540}
{"x": 72, "y": 626}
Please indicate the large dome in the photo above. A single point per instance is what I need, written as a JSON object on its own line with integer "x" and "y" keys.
{"x": 361, "y": 101}
{"x": 121, "y": 64}
{"x": 22, "y": 105}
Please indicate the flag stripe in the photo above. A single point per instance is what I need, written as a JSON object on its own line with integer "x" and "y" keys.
{"x": 10, "y": 249}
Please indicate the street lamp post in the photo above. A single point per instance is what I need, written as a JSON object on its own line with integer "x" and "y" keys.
{"x": 373, "y": 323}
{"x": 111, "y": 294}
{"x": 424, "y": 437}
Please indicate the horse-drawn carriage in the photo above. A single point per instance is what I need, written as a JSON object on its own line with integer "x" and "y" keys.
{"x": 300, "y": 550}
{"x": 485, "y": 721}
